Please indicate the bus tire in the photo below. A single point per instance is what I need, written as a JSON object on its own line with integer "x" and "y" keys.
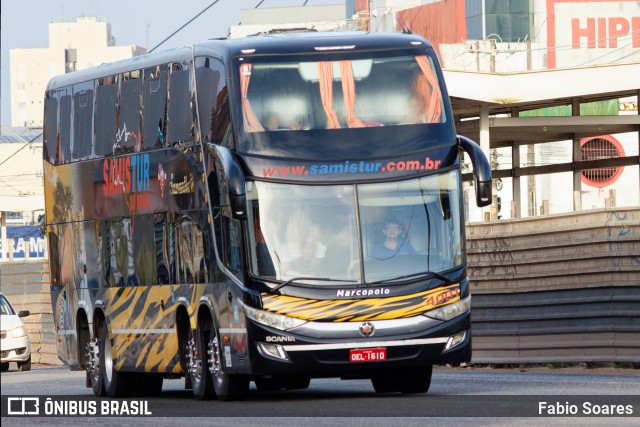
{"x": 227, "y": 386}
{"x": 94, "y": 378}
{"x": 116, "y": 384}
{"x": 386, "y": 382}
{"x": 198, "y": 364}
{"x": 417, "y": 380}
{"x": 405, "y": 381}
{"x": 297, "y": 383}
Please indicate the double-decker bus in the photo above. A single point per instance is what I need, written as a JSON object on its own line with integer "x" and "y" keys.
{"x": 270, "y": 209}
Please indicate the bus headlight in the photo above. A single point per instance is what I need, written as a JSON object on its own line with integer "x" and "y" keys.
{"x": 450, "y": 311}
{"x": 273, "y": 320}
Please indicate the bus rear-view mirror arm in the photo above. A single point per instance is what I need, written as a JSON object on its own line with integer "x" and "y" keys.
{"x": 230, "y": 182}
{"x": 481, "y": 170}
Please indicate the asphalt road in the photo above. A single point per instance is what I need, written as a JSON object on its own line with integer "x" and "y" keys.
{"x": 458, "y": 396}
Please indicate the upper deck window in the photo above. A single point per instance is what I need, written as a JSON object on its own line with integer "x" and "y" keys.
{"x": 128, "y": 135}
{"x": 154, "y": 104}
{"x": 106, "y": 125}
{"x": 342, "y": 93}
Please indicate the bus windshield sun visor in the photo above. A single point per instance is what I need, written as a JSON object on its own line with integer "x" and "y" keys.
{"x": 481, "y": 170}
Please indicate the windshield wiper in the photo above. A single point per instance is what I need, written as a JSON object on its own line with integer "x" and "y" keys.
{"x": 409, "y": 276}
{"x": 320, "y": 279}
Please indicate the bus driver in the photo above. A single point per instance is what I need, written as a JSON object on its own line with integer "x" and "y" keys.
{"x": 392, "y": 245}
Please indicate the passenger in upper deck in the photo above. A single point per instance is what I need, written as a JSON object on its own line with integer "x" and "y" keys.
{"x": 273, "y": 123}
{"x": 415, "y": 112}
{"x": 395, "y": 242}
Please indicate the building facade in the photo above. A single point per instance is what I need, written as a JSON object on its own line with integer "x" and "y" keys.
{"x": 72, "y": 46}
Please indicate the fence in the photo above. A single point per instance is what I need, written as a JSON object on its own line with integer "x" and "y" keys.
{"x": 546, "y": 289}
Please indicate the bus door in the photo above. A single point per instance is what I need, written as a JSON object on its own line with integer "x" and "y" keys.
{"x": 226, "y": 181}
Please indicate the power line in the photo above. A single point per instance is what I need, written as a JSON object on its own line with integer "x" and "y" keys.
{"x": 187, "y": 23}
{"x": 27, "y": 143}
{"x": 606, "y": 54}
{"x": 626, "y": 56}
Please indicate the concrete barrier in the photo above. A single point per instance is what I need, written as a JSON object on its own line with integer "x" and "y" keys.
{"x": 26, "y": 285}
{"x": 558, "y": 288}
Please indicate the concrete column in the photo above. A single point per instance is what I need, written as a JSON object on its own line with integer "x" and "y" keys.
{"x": 485, "y": 146}
{"x": 532, "y": 203}
{"x": 577, "y": 156}
{"x": 515, "y": 163}
{"x": 3, "y": 234}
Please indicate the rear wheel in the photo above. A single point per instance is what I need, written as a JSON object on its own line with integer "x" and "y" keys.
{"x": 93, "y": 367}
{"x": 227, "y": 386}
{"x": 116, "y": 384}
{"x": 197, "y": 364}
{"x": 25, "y": 366}
{"x": 4, "y": 367}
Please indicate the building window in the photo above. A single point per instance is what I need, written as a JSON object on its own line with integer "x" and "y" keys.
{"x": 599, "y": 148}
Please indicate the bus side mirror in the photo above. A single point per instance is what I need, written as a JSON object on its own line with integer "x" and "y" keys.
{"x": 231, "y": 184}
{"x": 481, "y": 170}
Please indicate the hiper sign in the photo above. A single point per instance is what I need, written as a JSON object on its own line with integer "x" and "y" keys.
{"x": 589, "y": 32}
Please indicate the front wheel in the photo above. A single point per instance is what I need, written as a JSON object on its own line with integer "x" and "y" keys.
{"x": 227, "y": 386}
{"x": 405, "y": 381}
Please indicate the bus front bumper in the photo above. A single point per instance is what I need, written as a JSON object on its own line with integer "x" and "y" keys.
{"x": 354, "y": 357}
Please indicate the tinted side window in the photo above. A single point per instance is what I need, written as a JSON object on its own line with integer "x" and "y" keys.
{"x": 106, "y": 103}
{"x": 50, "y": 128}
{"x": 129, "y": 124}
{"x": 179, "y": 114}
{"x": 82, "y": 120}
{"x": 65, "y": 125}
{"x": 154, "y": 103}
{"x": 212, "y": 99}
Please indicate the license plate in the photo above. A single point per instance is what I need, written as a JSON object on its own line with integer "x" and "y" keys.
{"x": 368, "y": 355}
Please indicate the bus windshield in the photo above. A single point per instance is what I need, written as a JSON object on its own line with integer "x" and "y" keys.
{"x": 362, "y": 233}
{"x": 351, "y": 92}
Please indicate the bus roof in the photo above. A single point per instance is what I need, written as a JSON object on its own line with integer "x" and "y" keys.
{"x": 279, "y": 43}
{"x": 312, "y": 41}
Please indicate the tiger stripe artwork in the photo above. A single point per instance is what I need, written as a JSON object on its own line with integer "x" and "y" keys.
{"x": 354, "y": 310}
{"x": 142, "y": 330}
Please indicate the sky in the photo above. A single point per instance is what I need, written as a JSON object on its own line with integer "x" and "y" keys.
{"x": 25, "y": 24}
